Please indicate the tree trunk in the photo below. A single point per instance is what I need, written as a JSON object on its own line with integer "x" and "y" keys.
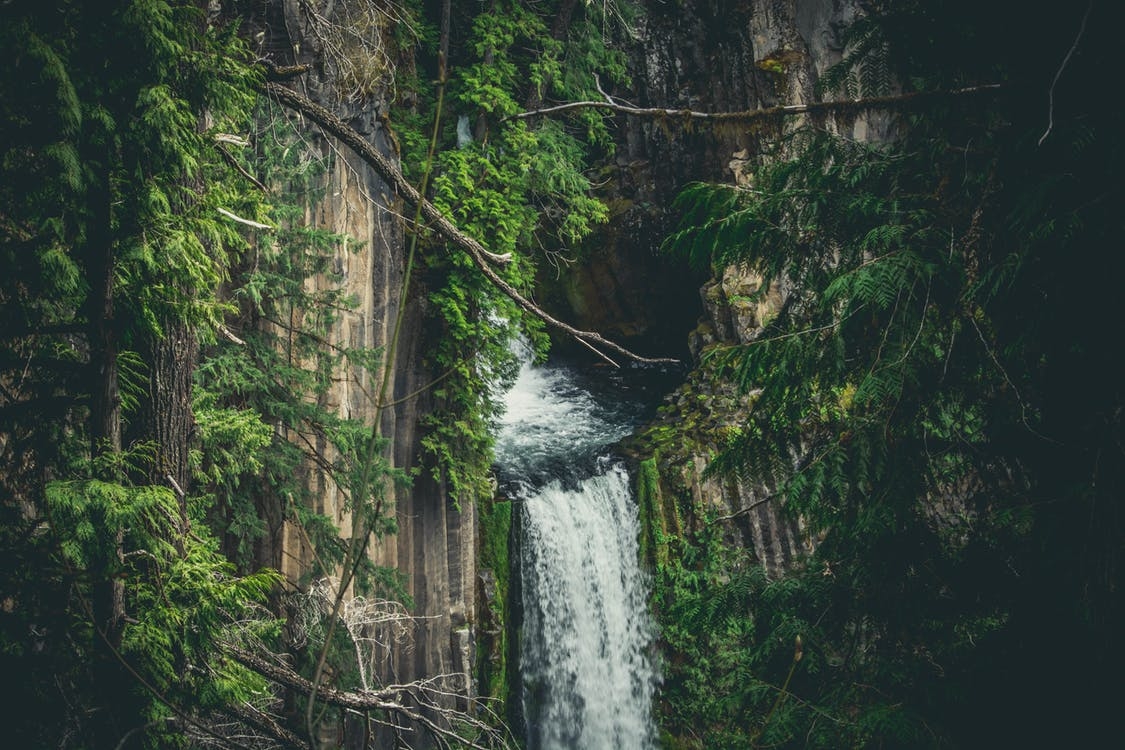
{"x": 108, "y": 590}
{"x": 166, "y": 415}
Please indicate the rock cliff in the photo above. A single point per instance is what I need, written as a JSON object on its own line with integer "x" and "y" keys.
{"x": 433, "y": 550}
{"x": 707, "y": 56}
{"x": 704, "y": 55}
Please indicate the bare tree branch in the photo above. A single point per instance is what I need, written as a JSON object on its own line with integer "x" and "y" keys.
{"x": 266, "y": 724}
{"x": 388, "y": 699}
{"x": 228, "y": 157}
{"x": 480, "y": 256}
{"x": 284, "y": 72}
{"x": 785, "y": 110}
{"x": 248, "y": 222}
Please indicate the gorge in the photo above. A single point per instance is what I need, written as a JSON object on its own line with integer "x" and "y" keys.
{"x": 323, "y": 421}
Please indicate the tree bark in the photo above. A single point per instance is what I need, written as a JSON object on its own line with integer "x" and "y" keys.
{"x": 167, "y": 417}
{"x": 108, "y": 590}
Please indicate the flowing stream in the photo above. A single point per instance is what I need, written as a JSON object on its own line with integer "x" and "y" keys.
{"x": 585, "y": 665}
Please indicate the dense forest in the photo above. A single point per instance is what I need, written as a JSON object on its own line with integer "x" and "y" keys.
{"x": 264, "y": 262}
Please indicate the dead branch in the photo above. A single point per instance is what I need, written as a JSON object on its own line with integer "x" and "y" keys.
{"x": 748, "y": 508}
{"x": 284, "y": 72}
{"x": 388, "y": 699}
{"x": 266, "y": 724}
{"x": 229, "y": 336}
{"x": 232, "y": 139}
{"x": 367, "y": 700}
{"x": 480, "y": 256}
{"x": 248, "y": 222}
{"x": 228, "y": 157}
{"x": 786, "y": 110}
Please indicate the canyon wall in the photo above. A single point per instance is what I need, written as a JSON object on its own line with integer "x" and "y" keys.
{"x": 706, "y": 56}
{"x": 433, "y": 550}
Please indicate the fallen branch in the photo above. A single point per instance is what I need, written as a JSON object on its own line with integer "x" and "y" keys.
{"x": 786, "y": 110}
{"x": 283, "y": 676}
{"x": 266, "y": 724}
{"x": 390, "y": 699}
{"x": 483, "y": 259}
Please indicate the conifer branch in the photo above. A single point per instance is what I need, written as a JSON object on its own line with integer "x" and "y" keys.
{"x": 482, "y": 258}
{"x": 228, "y": 157}
{"x": 785, "y": 110}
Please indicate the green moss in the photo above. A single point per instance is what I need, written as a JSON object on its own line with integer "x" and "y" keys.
{"x": 494, "y": 519}
{"x": 660, "y": 520}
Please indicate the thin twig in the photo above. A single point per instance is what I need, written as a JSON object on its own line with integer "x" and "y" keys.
{"x": 228, "y": 157}
{"x": 748, "y": 508}
{"x": 1058, "y": 74}
{"x": 1004, "y": 373}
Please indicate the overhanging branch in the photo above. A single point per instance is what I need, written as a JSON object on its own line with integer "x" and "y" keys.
{"x": 751, "y": 115}
{"x": 381, "y": 164}
{"x": 482, "y": 258}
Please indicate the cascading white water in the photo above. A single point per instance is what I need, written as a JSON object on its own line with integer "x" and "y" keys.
{"x": 587, "y": 677}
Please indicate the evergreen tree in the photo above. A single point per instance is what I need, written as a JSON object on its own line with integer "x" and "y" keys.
{"x": 113, "y": 249}
{"x": 937, "y": 400}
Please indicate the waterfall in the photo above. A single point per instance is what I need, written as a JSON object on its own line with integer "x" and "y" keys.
{"x": 584, "y": 658}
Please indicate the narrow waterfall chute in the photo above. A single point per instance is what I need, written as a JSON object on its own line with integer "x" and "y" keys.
{"x": 587, "y": 673}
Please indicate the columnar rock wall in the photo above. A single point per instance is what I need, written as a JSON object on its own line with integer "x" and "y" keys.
{"x": 434, "y": 548}
{"x": 717, "y": 55}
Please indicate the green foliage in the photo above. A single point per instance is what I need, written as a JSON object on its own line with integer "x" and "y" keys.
{"x": 261, "y": 404}
{"x": 518, "y": 186}
{"x": 494, "y": 522}
{"x": 928, "y": 400}
{"x": 656, "y": 530}
{"x": 182, "y": 597}
{"x": 110, "y": 175}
